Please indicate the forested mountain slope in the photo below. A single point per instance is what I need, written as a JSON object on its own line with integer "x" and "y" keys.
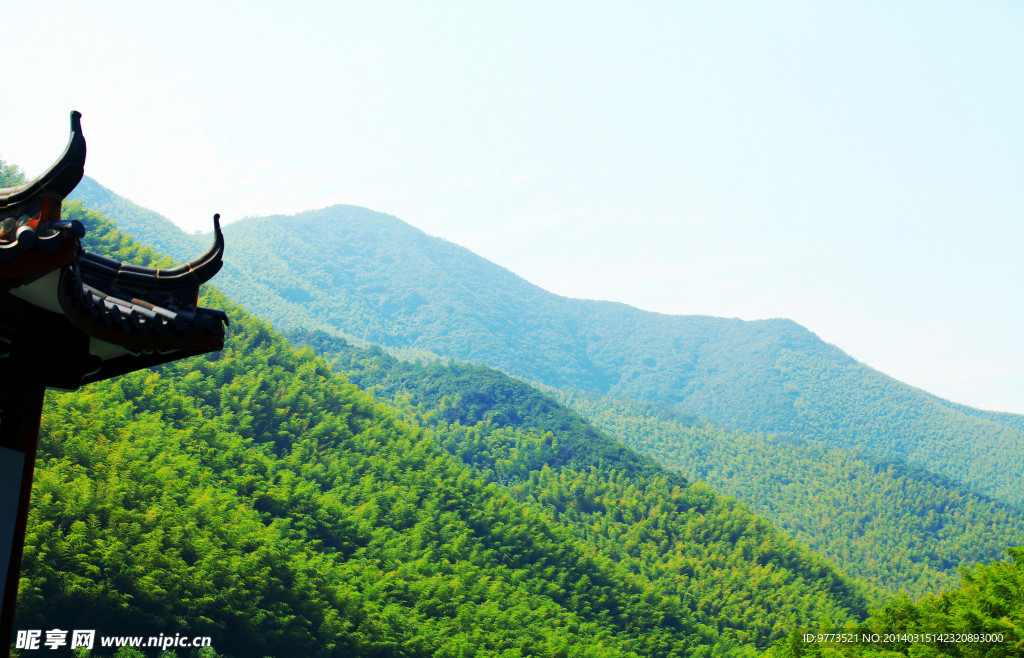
{"x": 892, "y": 525}
{"x": 374, "y": 277}
{"x": 256, "y": 497}
{"x": 468, "y": 394}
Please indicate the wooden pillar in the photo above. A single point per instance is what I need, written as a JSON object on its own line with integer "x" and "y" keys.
{"x": 20, "y": 409}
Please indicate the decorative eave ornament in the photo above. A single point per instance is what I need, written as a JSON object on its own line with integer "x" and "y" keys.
{"x": 69, "y": 317}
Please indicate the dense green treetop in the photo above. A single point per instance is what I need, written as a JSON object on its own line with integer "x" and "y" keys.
{"x": 11, "y": 175}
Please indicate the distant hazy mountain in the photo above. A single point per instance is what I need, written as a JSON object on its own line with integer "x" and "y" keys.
{"x": 374, "y": 277}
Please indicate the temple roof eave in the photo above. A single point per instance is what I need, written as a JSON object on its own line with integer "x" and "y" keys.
{"x": 164, "y": 281}
{"x": 69, "y": 317}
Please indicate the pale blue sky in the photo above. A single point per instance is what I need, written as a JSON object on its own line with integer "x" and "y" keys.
{"x": 855, "y": 166}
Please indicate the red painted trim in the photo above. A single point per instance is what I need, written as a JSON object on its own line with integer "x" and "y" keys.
{"x": 33, "y": 262}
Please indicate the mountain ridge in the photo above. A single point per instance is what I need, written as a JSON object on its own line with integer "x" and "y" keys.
{"x": 374, "y": 277}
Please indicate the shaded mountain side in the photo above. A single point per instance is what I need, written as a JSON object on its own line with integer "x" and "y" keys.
{"x": 374, "y": 277}
{"x": 468, "y": 395}
{"x": 254, "y": 496}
